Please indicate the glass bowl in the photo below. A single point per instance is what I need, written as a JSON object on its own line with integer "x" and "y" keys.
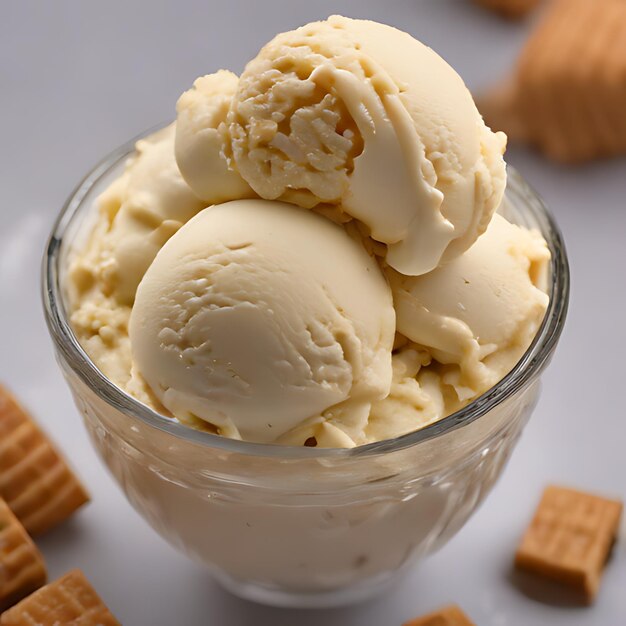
{"x": 297, "y": 526}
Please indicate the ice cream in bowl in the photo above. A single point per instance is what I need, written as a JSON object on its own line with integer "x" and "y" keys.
{"x": 305, "y": 323}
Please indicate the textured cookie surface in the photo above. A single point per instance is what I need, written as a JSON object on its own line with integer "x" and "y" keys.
{"x": 35, "y": 480}
{"x": 570, "y": 537}
{"x": 567, "y": 95}
{"x": 22, "y": 568}
{"x": 68, "y": 600}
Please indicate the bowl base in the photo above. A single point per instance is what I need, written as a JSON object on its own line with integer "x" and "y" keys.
{"x": 284, "y": 598}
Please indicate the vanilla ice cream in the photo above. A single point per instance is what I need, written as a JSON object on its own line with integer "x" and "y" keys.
{"x": 141, "y": 210}
{"x": 416, "y": 397}
{"x": 479, "y": 313}
{"x": 199, "y": 154}
{"x": 311, "y": 256}
{"x": 137, "y": 214}
{"x": 256, "y": 316}
{"x": 350, "y": 283}
{"x": 361, "y": 115}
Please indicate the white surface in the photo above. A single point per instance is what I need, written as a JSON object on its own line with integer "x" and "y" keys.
{"x": 79, "y": 78}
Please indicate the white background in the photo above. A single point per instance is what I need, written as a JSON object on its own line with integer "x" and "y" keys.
{"x": 77, "y": 79}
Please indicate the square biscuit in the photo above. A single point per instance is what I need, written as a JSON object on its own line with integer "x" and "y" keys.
{"x": 447, "y": 616}
{"x": 22, "y": 567}
{"x": 35, "y": 481}
{"x": 569, "y": 538}
{"x": 509, "y": 8}
{"x": 68, "y": 600}
{"x": 567, "y": 94}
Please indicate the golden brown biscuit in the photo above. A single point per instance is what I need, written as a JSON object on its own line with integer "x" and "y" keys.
{"x": 569, "y": 538}
{"x": 509, "y": 8}
{"x": 22, "y": 568}
{"x": 35, "y": 481}
{"x": 567, "y": 95}
{"x": 68, "y": 600}
{"x": 447, "y": 616}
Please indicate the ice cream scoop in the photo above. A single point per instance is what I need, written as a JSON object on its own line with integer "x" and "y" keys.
{"x": 415, "y": 400}
{"x": 199, "y": 147}
{"x": 479, "y": 312}
{"x": 258, "y": 315}
{"x": 361, "y": 115}
{"x": 353, "y": 182}
{"x": 136, "y": 215}
{"x": 144, "y": 207}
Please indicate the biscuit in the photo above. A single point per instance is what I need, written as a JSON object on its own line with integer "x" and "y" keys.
{"x": 569, "y": 538}
{"x": 35, "y": 481}
{"x": 567, "y": 95}
{"x": 68, "y": 600}
{"x": 447, "y": 616}
{"x": 22, "y": 568}
{"x": 509, "y": 8}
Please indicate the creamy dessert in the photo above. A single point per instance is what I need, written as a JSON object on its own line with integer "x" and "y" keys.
{"x": 316, "y": 253}
{"x": 257, "y": 316}
{"x": 311, "y": 254}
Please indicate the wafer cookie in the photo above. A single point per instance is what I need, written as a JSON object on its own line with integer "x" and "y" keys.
{"x": 509, "y": 8}
{"x": 569, "y": 538}
{"x": 22, "y": 568}
{"x": 68, "y": 600}
{"x": 447, "y": 616}
{"x": 35, "y": 481}
{"x": 567, "y": 95}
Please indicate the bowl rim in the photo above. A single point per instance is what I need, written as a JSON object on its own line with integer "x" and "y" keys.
{"x": 525, "y": 371}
